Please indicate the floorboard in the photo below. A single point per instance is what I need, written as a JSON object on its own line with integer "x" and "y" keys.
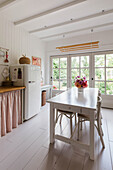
{"x": 27, "y": 147}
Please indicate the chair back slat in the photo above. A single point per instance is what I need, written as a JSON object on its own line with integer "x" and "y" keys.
{"x": 99, "y": 93}
{"x": 99, "y": 101}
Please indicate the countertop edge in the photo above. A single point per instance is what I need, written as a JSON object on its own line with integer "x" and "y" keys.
{"x": 4, "y": 89}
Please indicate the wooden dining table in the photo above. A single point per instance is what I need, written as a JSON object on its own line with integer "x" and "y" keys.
{"x": 80, "y": 102}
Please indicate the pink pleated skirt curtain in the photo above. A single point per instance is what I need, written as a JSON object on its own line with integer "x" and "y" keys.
{"x": 10, "y": 111}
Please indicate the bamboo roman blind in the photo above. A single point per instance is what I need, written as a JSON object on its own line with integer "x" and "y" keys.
{"x": 77, "y": 47}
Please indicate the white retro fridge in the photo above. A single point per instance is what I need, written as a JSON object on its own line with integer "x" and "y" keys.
{"x": 30, "y": 77}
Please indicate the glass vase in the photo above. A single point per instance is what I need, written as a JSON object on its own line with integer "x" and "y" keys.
{"x": 80, "y": 90}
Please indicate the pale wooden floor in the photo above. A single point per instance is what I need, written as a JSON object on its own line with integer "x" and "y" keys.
{"x": 27, "y": 147}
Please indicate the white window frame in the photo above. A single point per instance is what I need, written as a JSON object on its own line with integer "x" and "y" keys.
{"x": 90, "y": 64}
{"x": 107, "y": 99}
{"x": 101, "y": 53}
{"x": 51, "y": 71}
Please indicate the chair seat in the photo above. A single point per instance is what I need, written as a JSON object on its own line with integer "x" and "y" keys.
{"x": 98, "y": 117}
{"x": 85, "y": 116}
{"x": 69, "y": 115}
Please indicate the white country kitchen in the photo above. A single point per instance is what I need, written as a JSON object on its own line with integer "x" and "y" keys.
{"x": 56, "y": 84}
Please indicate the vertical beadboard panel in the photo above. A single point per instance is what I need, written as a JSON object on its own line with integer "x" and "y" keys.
{"x": 19, "y": 42}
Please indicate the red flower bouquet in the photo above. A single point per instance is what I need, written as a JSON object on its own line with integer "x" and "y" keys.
{"x": 81, "y": 82}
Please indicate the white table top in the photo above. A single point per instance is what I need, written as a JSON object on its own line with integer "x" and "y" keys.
{"x": 85, "y": 99}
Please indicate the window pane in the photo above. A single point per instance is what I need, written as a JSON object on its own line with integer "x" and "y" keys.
{"x": 109, "y": 74}
{"x": 84, "y": 61}
{"x": 74, "y": 62}
{"x": 85, "y": 72}
{"x": 88, "y": 83}
{"x": 56, "y": 63}
{"x": 101, "y": 86}
{"x": 55, "y": 73}
{"x": 109, "y": 88}
{"x": 74, "y": 73}
{"x": 99, "y": 74}
{"x": 63, "y": 85}
{"x": 99, "y": 60}
{"x": 56, "y": 85}
{"x": 63, "y": 74}
{"x": 109, "y": 60}
{"x": 73, "y": 83}
{"x": 63, "y": 62}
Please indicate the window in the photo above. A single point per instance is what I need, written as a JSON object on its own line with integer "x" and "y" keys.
{"x": 100, "y": 72}
{"x": 97, "y": 67}
{"x": 104, "y": 73}
{"x": 59, "y": 73}
{"x": 79, "y": 66}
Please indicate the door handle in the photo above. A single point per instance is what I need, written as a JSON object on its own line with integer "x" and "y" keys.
{"x": 31, "y": 81}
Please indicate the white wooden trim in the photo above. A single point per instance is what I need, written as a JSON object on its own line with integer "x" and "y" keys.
{"x": 6, "y": 3}
{"x": 48, "y": 12}
{"x": 78, "y": 30}
{"x": 73, "y": 21}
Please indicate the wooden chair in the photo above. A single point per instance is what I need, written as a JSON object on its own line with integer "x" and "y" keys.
{"x": 69, "y": 115}
{"x": 82, "y": 118}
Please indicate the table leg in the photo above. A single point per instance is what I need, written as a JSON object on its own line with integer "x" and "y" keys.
{"x": 52, "y": 123}
{"x": 92, "y": 135}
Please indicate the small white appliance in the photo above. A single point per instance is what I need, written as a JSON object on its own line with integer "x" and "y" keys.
{"x": 30, "y": 77}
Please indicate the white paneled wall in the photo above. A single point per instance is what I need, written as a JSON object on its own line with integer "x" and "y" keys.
{"x": 19, "y": 42}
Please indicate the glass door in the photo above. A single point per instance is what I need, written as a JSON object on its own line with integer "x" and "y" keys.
{"x": 104, "y": 73}
{"x": 59, "y": 73}
{"x": 103, "y": 76}
{"x": 80, "y": 66}
{"x": 96, "y": 67}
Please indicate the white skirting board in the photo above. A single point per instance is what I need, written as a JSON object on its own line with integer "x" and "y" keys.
{"x": 107, "y": 101}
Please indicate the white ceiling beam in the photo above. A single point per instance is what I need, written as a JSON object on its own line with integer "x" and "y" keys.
{"x": 73, "y": 21}
{"x": 6, "y": 3}
{"x": 79, "y": 30}
{"x": 49, "y": 11}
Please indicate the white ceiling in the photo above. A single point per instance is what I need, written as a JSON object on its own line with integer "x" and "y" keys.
{"x": 22, "y": 9}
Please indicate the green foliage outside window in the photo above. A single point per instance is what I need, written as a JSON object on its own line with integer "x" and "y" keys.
{"x": 61, "y": 64}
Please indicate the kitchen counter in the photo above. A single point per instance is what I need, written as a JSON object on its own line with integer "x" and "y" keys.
{"x": 47, "y": 87}
{"x": 4, "y": 89}
{"x": 11, "y": 108}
